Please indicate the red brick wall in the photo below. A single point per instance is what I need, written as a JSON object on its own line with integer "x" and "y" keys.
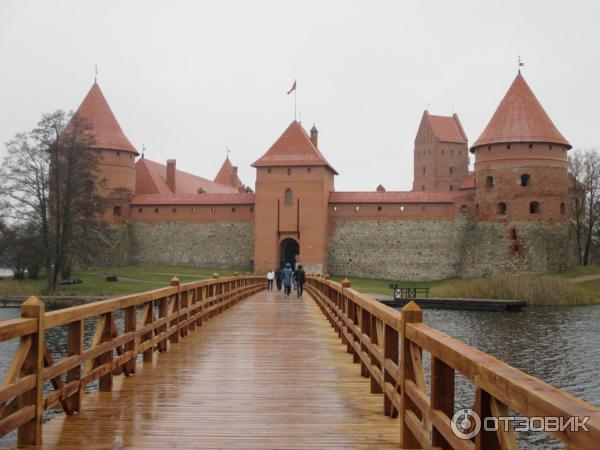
{"x": 153, "y": 214}
{"x": 312, "y": 186}
{"x": 547, "y": 167}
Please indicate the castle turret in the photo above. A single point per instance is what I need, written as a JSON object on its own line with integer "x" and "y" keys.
{"x": 116, "y": 154}
{"x": 521, "y": 167}
{"x": 228, "y": 175}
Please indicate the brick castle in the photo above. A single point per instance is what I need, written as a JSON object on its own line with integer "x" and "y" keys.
{"x": 510, "y": 215}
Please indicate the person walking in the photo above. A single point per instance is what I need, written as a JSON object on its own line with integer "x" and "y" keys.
{"x": 278, "y": 275}
{"x": 270, "y": 278}
{"x": 300, "y": 277}
{"x": 286, "y": 279}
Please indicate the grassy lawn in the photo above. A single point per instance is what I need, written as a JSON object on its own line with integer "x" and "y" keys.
{"x": 131, "y": 279}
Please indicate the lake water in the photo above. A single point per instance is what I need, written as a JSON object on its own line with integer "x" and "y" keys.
{"x": 559, "y": 345}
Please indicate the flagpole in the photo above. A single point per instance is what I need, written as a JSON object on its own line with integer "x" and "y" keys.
{"x": 295, "y": 97}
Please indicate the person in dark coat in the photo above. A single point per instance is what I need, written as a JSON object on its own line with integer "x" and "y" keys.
{"x": 300, "y": 277}
{"x": 286, "y": 279}
{"x": 278, "y": 276}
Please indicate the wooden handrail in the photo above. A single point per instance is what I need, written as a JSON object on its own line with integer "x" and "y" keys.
{"x": 168, "y": 314}
{"x": 376, "y": 335}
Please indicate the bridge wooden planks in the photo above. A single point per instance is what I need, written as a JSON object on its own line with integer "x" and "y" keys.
{"x": 270, "y": 373}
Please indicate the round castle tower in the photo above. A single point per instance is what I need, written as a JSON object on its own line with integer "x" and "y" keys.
{"x": 116, "y": 154}
{"x": 521, "y": 167}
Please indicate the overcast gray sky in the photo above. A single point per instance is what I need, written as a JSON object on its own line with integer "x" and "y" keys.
{"x": 188, "y": 79}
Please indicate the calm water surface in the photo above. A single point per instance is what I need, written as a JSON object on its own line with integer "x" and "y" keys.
{"x": 559, "y": 345}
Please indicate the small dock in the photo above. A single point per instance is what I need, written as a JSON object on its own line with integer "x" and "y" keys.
{"x": 467, "y": 304}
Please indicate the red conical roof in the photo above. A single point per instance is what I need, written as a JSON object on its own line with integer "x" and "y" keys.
{"x": 228, "y": 175}
{"x": 520, "y": 118}
{"x": 293, "y": 148}
{"x": 105, "y": 129}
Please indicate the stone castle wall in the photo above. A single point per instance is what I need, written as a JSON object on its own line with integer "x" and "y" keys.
{"x": 399, "y": 250}
{"x": 220, "y": 245}
{"x": 431, "y": 250}
{"x": 490, "y": 248}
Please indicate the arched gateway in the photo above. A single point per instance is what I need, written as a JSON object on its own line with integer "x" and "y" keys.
{"x": 289, "y": 250}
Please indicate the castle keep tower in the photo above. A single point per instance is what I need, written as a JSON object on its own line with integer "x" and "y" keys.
{"x": 441, "y": 158}
{"x": 116, "y": 154}
{"x": 293, "y": 182}
{"x": 521, "y": 166}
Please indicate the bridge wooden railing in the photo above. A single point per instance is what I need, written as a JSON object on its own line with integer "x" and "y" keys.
{"x": 389, "y": 347}
{"x": 151, "y": 320}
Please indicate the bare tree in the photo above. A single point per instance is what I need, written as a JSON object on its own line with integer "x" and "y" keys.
{"x": 585, "y": 170}
{"x": 50, "y": 180}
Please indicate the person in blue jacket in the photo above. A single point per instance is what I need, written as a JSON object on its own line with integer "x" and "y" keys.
{"x": 286, "y": 278}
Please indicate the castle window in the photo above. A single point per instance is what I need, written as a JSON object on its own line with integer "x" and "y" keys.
{"x": 423, "y": 170}
{"x": 489, "y": 182}
{"x": 442, "y": 151}
{"x": 269, "y": 170}
{"x": 507, "y": 145}
{"x": 232, "y": 209}
{"x": 463, "y": 209}
{"x": 252, "y": 209}
{"x": 423, "y": 208}
{"x": 452, "y": 152}
{"x": 550, "y": 147}
{"x": 308, "y": 169}
{"x": 501, "y": 209}
{"x": 530, "y": 145}
{"x": 460, "y": 152}
{"x": 477, "y": 209}
{"x": 423, "y": 188}
{"x": 450, "y": 188}
{"x": 356, "y": 208}
{"x": 379, "y": 208}
{"x": 193, "y": 210}
{"x": 289, "y": 171}
{"x": 525, "y": 179}
{"x": 534, "y": 208}
{"x": 118, "y": 153}
{"x": 156, "y": 210}
{"x": 334, "y": 208}
{"x": 174, "y": 210}
{"x": 117, "y": 211}
{"x": 513, "y": 234}
{"x": 489, "y": 147}
{"x": 563, "y": 209}
{"x": 402, "y": 209}
{"x": 288, "y": 196}
{"x": 140, "y": 210}
{"x": 213, "y": 210}
{"x": 450, "y": 170}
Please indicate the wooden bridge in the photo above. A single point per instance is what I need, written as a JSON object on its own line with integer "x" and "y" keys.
{"x": 223, "y": 363}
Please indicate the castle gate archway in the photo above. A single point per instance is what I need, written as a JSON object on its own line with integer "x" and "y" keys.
{"x": 289, "y": 249}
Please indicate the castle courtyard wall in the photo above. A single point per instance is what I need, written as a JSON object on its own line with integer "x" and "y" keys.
{"x": 225, "y": 244}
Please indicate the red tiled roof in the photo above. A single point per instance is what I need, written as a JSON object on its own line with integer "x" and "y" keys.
{"x": 193, "y": 199}
{"x": 293, "y": 148}
{"x": 393, "y": 197}
{"x": 469, "y": 182}
{"x": 447, "y": 128}
{"x": 151, "y": 178}
{"x": 520, "y": 118}
{"x": 106, "y": 131}
{"x": 228, "y": 176}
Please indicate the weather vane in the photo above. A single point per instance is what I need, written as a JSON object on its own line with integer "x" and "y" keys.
{"x": 521, "y": 64}
{"x": 143, "y": 150}
{"x": 95, "y": 73}
{"x": 228, "y": 151}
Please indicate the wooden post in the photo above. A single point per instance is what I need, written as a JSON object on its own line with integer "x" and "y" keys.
{"x": 192, "y": 300}
{"x": 174, "y": 338}
{"x": 163, "y": 311}
{"x": 411, "y": 313}
{"x": 130, "y": 325}
{"x": 106, "y": 381}
{"x": 75, "y": 347}
{"x": 184, "y": 302}
{"x": 390, "y": 351}
{"x": 216, "y": 292}
{"x": 376, "y": 388}
{"x": 148, "y": 319}
{"x": 30, "y": 433}
{"x": 365, "y": 328}
{"x": 485, "y": 439}
{"x": 442, "y": 396}
{"x": 344, "y": 303}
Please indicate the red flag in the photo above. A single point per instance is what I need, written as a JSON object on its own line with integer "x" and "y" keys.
{"x": 293, "y": 88}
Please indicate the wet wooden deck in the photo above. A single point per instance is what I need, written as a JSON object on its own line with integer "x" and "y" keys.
{"x": 269, "y": 373}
